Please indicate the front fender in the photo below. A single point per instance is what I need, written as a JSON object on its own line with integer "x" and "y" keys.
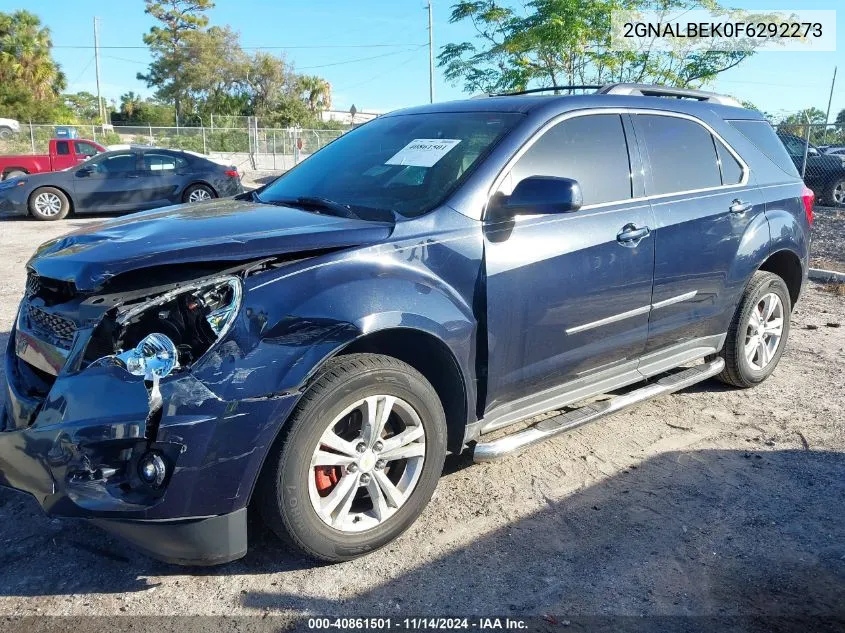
{"x": 295, "y": 318}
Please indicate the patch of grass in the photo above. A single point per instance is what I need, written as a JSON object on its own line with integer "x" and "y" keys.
{"x": 836, "y": 288}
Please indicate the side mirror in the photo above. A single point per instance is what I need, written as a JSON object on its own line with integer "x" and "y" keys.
{"x": 544, "y": 194}
{"x": 84, "y": 172}
{"x": 812, "y": 151}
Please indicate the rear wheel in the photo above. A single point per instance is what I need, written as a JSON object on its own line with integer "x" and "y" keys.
{"x": 359, "y": 459}
{"x": 14, "y": 173}
{"x": 835, "y": 193}
{"x": 6, "y": 132}
{"x": 49, "y": 203}
{"x": 198, "y": 193}
{"x": 758, "y": 332}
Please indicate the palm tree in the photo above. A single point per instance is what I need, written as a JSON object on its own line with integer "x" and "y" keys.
{"x": 25, "y": 55}
{"x": 129, "y": 104}
{"x": 317, "y": 92}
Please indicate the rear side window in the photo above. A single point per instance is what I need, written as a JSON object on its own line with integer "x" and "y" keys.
{"x": 163, "y": 162}
{"x": 731, "y": 169}
{"x": 763, "y": 136}
{"x": 682, "y": 154}
{"x": 86, "y": 149}
{"x": 62, "y": 148}
{"x": 590, "y": 149}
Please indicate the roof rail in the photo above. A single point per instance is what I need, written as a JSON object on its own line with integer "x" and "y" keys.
{"x": 649, "y": 90}
{"x": 546, "y": 89}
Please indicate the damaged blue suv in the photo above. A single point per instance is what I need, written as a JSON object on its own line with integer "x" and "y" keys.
{"x": 311, "y": 350}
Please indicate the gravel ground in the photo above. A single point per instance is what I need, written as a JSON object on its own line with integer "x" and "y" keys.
{"x": 712, "y": 501}
{"x": 828, "y": 246}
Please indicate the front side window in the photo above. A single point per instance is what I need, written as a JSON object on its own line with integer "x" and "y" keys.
{"x": 681, "y": 152}
{"x": 590, "y": 149}
{"x": 404, "y": 163}
{"x": 116, "y": 163}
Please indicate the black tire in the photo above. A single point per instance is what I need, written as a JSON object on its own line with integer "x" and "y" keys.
{"x": 834, "y": 190}
{"x": 6, "y": 132}
{"x": 200, "y": 189}
{"x": 13, "y": 173}
{"x": 282, "y": 494}
{"x": 738, "y": 370}
{"x": 35, "y": 208}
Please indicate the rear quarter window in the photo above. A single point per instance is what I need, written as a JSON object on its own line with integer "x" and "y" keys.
{"x": 763, "y": 137}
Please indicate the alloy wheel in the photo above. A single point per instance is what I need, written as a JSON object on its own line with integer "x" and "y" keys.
{"x": 764, "y": 331}
{"x": 367, "y": 463}
{"x": 198, "y": 195}
{"x": 47, "y": 204}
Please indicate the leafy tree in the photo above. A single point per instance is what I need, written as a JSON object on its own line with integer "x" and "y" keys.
{"x": 317, "y": 93}
{"x": 83, "y": 105}
{"x": 171, "y": 59}
{"x": 30, "y": 80}
{"x": 840, "y": 120}
{"x": 557, "y": 42}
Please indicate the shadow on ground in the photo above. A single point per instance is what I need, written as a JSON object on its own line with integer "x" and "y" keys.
{"x": 712, "y": 532}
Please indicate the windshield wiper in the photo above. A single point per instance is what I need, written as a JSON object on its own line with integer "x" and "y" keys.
{"x": 320, "y": 204}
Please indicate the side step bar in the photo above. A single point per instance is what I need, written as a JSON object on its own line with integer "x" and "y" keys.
{"x": 496, "y": 449}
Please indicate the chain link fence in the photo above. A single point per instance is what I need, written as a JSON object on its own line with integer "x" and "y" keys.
{"x": 246, "y": 147}
{"x": 818, "y": 151}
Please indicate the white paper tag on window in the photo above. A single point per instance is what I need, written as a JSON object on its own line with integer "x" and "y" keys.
{"x": 423, "y": 152}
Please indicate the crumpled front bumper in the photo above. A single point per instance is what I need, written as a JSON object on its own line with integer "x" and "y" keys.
{"x": 76, "y": 450}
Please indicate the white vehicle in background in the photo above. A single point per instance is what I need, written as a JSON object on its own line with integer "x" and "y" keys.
{"x": 8, "y": 127}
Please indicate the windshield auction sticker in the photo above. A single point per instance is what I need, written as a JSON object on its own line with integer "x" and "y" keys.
{"x": 423, "y": 152}
{"x": 687, "y": 31}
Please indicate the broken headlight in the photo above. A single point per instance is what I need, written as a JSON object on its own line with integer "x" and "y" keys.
{"x": 189, "y": 320}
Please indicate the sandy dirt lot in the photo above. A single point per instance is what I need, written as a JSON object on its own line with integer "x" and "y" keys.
{"x": 712, "y": 501}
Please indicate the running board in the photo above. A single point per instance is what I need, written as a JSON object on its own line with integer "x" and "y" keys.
{"x": 496, "y": 449}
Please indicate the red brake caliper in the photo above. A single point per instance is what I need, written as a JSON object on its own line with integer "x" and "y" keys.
{"x": 326, "y": 478}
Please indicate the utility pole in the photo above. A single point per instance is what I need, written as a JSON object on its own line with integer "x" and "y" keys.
{"x": 430, "y": 55}
{"x": 100, "y": 107}
{"x": 829, "y": 103}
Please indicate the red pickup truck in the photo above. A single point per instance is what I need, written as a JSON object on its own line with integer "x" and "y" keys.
{"x": 64, "y": 153}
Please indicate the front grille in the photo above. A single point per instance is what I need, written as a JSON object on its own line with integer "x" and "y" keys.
{"x": 33, "y": 284}
{"x": 54, "y": 327}
{"x": 51, "y": 291}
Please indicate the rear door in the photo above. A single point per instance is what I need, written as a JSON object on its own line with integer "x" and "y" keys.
{"x": 568, "y": 295}
{"x": 704, "y": 203}
{"x": 108, "y": 182}
{"x": 162, "y": 177}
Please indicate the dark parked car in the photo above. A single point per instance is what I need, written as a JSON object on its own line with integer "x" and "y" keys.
{"x": 311, "y": 350}
{"x": 124, "y": 180}
{"x": 825, "y": 172}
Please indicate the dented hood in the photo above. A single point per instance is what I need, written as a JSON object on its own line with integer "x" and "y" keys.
{"x": 220, "y": 230}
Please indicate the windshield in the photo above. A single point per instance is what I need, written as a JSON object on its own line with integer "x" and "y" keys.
{"x": 405, "y": 163}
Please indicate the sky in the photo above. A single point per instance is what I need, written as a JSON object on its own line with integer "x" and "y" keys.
{"x": 375, "y": 54}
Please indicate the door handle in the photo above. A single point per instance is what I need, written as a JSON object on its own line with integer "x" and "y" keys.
{"x": 631, "y": 234}
{"x": 738, "y": 206}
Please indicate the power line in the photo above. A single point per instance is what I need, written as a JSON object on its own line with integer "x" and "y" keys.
{"x": 379, "y": 75}
{"x": 251, "y": 48}
{"x": 360, "y": 59}
{"x": 82, "y": 72}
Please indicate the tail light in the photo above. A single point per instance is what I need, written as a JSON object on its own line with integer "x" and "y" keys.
{"x": 233, "y": 173}
{"x": 808, "y": 198}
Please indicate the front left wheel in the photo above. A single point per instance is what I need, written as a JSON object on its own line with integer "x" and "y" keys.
{"x": 357, "y": 461}
{"x": 49, "y": 203}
